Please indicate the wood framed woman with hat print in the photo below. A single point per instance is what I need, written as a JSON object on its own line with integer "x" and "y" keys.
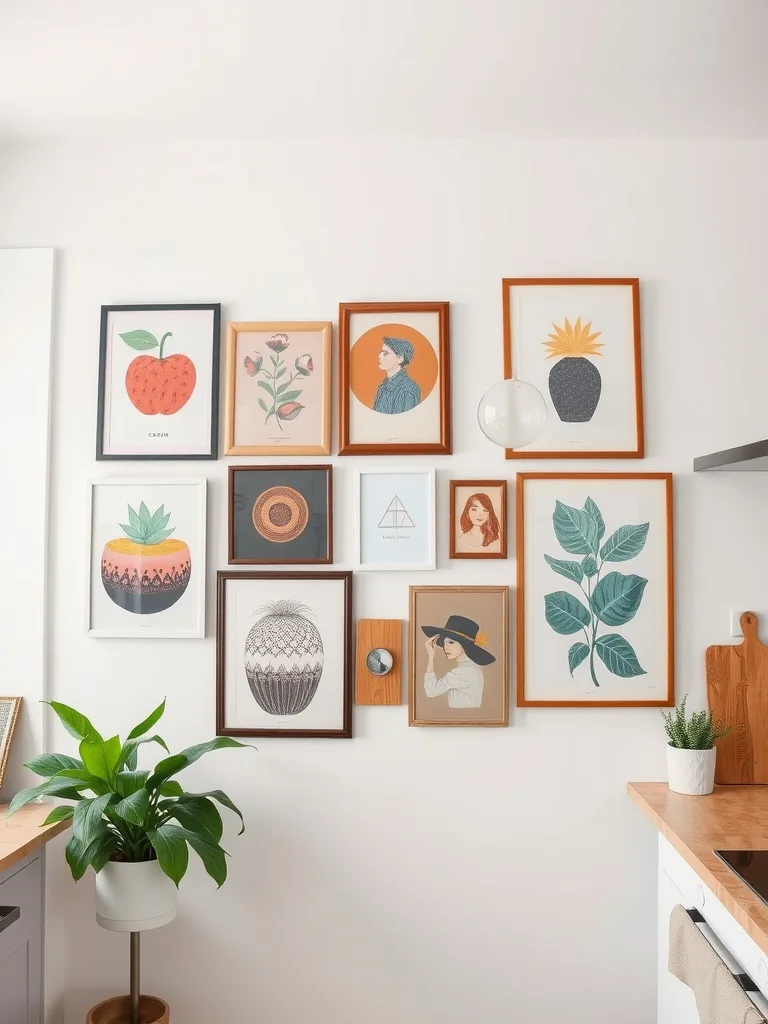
{"x": 459, "y": 667}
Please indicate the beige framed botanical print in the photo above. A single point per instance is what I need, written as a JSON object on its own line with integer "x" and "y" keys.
{"x": 459, "y": 668}
{"x": 478, "y": 519}
{"x": 278, "y": 398}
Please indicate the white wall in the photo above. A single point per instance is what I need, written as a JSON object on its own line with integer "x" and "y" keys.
{"x": 414, "y": 875}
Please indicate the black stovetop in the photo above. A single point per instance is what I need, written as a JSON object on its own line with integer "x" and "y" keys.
{"x": 751, "y": 866}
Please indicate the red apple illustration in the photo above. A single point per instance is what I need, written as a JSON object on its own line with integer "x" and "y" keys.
{"x": 158, "y": 384}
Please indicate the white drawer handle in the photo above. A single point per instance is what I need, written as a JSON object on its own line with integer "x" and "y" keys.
{"x": 8, "y": 915}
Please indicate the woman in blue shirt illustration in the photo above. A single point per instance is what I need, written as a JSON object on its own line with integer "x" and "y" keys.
{"x": 397, "y": 392}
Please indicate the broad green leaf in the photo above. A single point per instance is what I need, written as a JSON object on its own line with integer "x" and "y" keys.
{"x": 141, "y": 341}
{"x": 87, "y": 821}
{"x": 617, "y": 598}
{"x": 171, "y": 788}
{"x": 133, "y": 808}
{"x": 129, "y": 782}
{"x": 565, "y": 613}
{"x": 149, "y": 721}
{"x": 170, "y": 846}
{"x": 165, "y": 768}
{"x": 576, "y": 531}
{"x": 79, "y": 855}
{"x": 177, "y": 762}
{"x": 219, "y": 797}
{"x": 589, "y": 566}
{"x": 51, "y": 787}
{"x": 101, "y": 851}
{"x": 618, "y": 656}
{"x": 594, "y": 512}
{"x": 198, "y": 815}
{"x": 571, "y": 570}
{"x": 51, "y": 764}
{"x": 267, "y": 388}
{"x": 211, "y": 855}
{"x": 81, "y": 778}
{"x": 129, "y": 755}
{"x": 625, "y": 543}
{"x": 61, "y": 813}
{"x": 77, "y": 725}
{"x": 576, "y": 655}
{"x": 263, "y": 405}
{"x": 100, "y": 757}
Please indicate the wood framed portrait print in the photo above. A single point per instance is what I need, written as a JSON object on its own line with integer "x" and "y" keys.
{"x": 280, "y": 515}
{"x": 159, "y": 382}
{"x": 577, "y": 340}
{"x": 459, "y": 672}
{"x": 396, "y": 519}
{"x": 595, "y": 601}
{"x": 9, "y": 713}
{"x": 284, "y": 654}
{"x": 394, "y": 388}
{"x": 146, "y": 558}
{"x": 278, "y": 388}
{"x": 478, "y": 519}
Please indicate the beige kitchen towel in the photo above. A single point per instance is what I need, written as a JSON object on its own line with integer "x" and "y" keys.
{"x": 719, "y": 997}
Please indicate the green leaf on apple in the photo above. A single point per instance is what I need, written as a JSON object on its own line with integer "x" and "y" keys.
{"x": 140, "y": 340}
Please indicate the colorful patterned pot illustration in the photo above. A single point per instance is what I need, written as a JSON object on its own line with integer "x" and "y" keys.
{"x": 146, "y": 572}
{"x": 284, "y": 658}
{"x": 575, "y": 383}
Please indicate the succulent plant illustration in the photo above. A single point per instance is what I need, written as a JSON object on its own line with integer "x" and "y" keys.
{"x": 284, "y": 658}
{"x": 283, "y": 405}
{"x": 610, "y": 600}
{"x": 575, "y": 383}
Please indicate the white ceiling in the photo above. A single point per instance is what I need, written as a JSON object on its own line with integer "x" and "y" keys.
{"x": 154, "y": 69}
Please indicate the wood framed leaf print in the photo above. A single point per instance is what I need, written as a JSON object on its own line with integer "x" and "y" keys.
{"x": 578, "y": 341}
{"x": 278, "y": 388}
{"x": 595, "y": 604}
{"x": 394, "y": 387}
{"x": 159, "y": 382}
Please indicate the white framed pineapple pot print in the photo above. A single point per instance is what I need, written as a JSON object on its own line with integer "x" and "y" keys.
{"x": 146, "y": 558}
{"x": 396, "y": 519}
{"x": 283, "y": 654}
{"x": 595, "y": 602}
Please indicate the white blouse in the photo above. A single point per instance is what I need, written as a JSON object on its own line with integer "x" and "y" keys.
{"x": 463, "y": 684}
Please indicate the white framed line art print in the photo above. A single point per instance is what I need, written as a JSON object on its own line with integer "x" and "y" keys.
{"x": 146, "y": 558}
{"x": 396, "y": 519}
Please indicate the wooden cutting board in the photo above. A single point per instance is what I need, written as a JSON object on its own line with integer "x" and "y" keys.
{"x": 737, "y": 687}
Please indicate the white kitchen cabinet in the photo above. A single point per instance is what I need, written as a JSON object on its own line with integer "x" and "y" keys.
{"x": 676, "y": 1004}
{"x": 21, "y": 974}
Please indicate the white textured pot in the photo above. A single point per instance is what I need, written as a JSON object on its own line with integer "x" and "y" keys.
{"x": 134, "y": 897}
{"x": 691, "y": 771}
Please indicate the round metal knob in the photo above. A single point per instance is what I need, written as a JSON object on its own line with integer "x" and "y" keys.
{"x": 379, "y": 661}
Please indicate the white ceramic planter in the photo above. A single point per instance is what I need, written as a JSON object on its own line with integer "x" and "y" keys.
{"x": 134, "y": 897}
{"x": 691, "y": 771}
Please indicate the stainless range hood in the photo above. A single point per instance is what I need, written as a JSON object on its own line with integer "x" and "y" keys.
{"x": 747, "y": 458}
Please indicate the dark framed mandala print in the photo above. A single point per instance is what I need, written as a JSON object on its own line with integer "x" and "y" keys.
{"x": 146, "y": 558}
{"x": 280, "y": 515}
{"x": 283, "y": 654}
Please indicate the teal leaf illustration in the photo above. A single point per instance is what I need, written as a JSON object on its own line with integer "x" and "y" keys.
{"x": 576, "y": 655}
{"x": 576, "y": 531}
{"x": 267, "y": 388}
{"x": 617, "y": 598}
{"x": 618, "y": 656}
{"x": 289, "y": 396}
{"x": 571, "y": 570}
{"x": 625, "y": 543}
{"x": 144, "y": 513}
{"x": 133, "y": 517}
{"x": 282, "y": 388}
{"x": 565, "y": 613}
{"x": 280, "y": 373}
{"x": 588, "y": 566}
{"x": 263, "y": 404}
{"x": 140, "y": 340}
{"x": 594, "y": 512}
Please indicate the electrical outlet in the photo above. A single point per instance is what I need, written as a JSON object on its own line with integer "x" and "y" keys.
{"x": 736, "y": 615}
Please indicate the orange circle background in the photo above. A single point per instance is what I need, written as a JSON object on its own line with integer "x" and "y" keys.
{"x": 364, "y": 373}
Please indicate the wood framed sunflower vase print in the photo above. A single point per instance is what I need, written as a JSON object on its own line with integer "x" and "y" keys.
{"x": 283, "y": 654}
{"x": 159, "y": 382}
{"x": 577, "y": 340}
{"x": 146, "y": 558}
{"x": 595, "y": 606}
{"x": 278, "y": 388}
{"x": 394, "y": 387}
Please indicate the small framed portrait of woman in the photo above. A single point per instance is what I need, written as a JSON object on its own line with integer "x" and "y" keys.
{"x": 478, "y": 519}
{"x": 458, "y": 660}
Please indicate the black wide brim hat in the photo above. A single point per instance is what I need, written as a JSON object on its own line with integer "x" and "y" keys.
{"x": 467, "y": 633}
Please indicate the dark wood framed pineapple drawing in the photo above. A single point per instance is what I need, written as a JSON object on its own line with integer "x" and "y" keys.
{"x": 578, "y": 341}
{"x": 284, "y": 654}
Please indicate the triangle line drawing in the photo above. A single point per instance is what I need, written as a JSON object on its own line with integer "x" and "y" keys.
{"x": 396, "y": 516}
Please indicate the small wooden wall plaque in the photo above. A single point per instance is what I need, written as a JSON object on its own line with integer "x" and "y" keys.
{"x": 369, "y": 687}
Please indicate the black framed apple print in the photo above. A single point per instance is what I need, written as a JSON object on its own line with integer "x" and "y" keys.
{"x": 159, "y": 382}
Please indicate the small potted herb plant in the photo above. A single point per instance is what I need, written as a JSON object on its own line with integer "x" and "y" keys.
{"x": 135, "y": 829}
{"x": 691, "y": 750}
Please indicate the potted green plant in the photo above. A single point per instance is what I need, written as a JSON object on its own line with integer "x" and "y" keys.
{"x": 691, "y": 749}
{"x": 134, "y": 827}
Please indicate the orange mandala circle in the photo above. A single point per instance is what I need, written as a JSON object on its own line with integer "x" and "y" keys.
{"x": 280, "y": 514}
{"x": 364, "y": 373}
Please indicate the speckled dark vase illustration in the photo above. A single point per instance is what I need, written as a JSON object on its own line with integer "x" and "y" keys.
{"x": 574, "y": 386}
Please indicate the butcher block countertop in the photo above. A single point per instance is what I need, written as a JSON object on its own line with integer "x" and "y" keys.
{"x": 21, "y": 834}
{"x": 731, "y": 818}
